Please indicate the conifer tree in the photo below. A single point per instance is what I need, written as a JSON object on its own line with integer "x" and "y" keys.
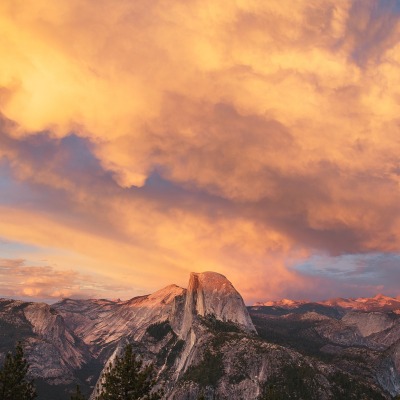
{"x": 13, "y": 382}
{"x": 128, "y": 379}
{"x": 201, "y": 396}
{"x": 77, "y": 395}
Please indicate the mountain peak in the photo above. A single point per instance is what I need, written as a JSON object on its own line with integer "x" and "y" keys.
{"x": 211, "y": 281}
{"x": 381, "y": 296}
{"x": 210, "y": 293}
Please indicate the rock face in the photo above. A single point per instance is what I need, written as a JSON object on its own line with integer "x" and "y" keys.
{"x": 211, "y": 294}
{"x": 55, "y": 354}
{"x": 363, "y": 341}
{"x": 101, "y": 324}
{"x": 369, "y": 323}
{"x": 204, "y": 341}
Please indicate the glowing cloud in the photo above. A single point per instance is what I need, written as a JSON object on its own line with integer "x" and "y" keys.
{"x": 159, "y": 138}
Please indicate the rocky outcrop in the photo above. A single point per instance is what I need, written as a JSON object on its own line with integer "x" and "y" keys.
{"x": 49, "y": 326}
{"x": 211, "y": 294}
{"x": 239, "y": 366}
{"x": 102, "y": 324}
{"x": 362, "y": 343}
{"x": 53, "y": 351}
{"x": 368, "y": 323}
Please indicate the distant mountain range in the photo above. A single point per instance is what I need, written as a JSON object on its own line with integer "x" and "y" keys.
{"x": 377, "y": 303}
{"x": 204, "y": 340}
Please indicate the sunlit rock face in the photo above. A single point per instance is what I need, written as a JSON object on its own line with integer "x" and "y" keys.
{"x": 211, "y": 294}
{"x": 102, "y": 323}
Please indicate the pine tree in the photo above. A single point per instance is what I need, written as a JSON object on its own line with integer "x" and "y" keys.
{"x": 201, "y": 396}
{"x": 128, "y": 379}
{"x": 78, "y": 394}
{"x": 13, "y": 382}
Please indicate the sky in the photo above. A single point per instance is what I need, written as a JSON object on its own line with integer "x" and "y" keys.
{"x": 142, "y": 140}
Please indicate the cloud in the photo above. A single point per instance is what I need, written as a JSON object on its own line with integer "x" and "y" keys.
{"x": 48, "y": 283}
{"x": 242, "y": 137}
{"x": 354, "y": 275}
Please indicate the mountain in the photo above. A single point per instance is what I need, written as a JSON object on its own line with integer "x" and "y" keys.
{"x": 377, "y": 303}
{"x": 56, "y": 355}
{"x": 204, "y": 340}
{"x": 211, "y": 294}
{"x": 284, "y": 303}
{"x": 360, "y": 336}
{"x": 102, "y": 323}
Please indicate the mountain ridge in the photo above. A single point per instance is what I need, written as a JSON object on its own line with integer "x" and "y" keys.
{"x": 376, "y": 303}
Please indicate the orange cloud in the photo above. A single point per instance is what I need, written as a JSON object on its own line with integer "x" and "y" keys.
{"x": 272, "y": 129}
{"x": 49, "y": 283}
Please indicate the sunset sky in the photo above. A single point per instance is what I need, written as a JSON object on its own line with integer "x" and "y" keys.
{"x": 141, "y": 140}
